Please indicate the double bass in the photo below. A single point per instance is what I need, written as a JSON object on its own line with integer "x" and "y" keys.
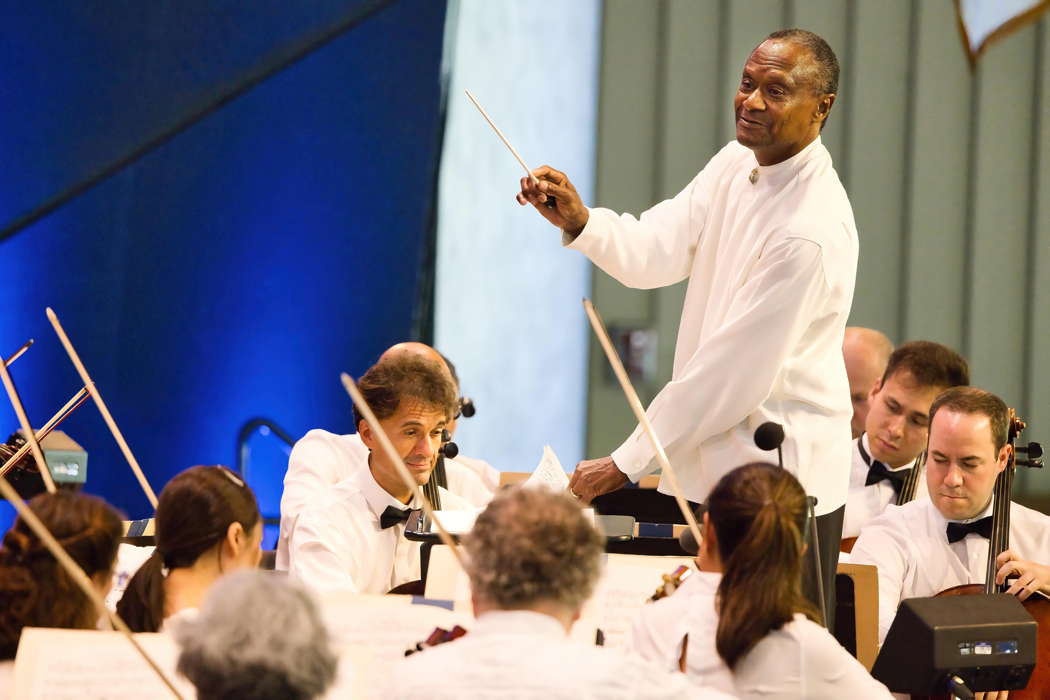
{"x": 1037, "y": 605}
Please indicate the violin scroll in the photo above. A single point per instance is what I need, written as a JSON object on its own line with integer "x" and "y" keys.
{"x": 438, "y": 636}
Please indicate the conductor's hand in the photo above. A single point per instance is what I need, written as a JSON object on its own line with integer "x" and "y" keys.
{"x": 1030, "y": 576}
{"x": 568, "y": 213}
{"x": 593, "y": 477}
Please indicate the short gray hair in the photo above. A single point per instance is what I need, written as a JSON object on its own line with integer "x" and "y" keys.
{"x": 533, "y": 545}
{"x": 257, "y": 636}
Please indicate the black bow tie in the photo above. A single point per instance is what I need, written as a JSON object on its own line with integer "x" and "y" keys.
{"x": 877, "y": 471}
{"x": 982, "y": 527}
{"x": 392, "y": 516}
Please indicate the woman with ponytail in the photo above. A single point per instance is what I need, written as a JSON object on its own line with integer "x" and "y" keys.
{"x": 744, "y": 612}
{"x": 207, "y": 524}
{"x": 35, "y": 591}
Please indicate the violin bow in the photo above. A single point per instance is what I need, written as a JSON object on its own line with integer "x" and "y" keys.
{"x": 399, "y": 464}
{"x": 106, "y": 416}
{"x": 27, "y": 429}
{"x": 18, "y": 353}
{"x": 636, "y": 405}
{"x": 79, "y": 577}
{"x": 63, "y": 413}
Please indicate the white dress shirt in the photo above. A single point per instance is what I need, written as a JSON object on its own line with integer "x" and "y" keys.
{"x": 909, "y": 545}
{"x": 661, "y": 626}
{"x": 771, "y": 268}
{"x": 800, "y": 660}
{"x": 803, "y": 660}
{"x": 521, "y": 654}
{"x": 322, "y": 459}
{"x": 864, "y": 503}
{"x": 340, "y": 546}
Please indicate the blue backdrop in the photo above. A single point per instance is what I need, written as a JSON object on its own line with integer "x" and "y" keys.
{"x": 236, "y": 270}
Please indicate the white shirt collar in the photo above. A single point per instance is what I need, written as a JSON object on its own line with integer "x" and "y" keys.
{"x": 526, "y": 622}
{"x": 376, "y": 496}
{"x": 786, "y": 168}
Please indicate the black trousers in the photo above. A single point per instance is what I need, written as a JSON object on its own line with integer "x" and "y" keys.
{"x": 829, "y": 534}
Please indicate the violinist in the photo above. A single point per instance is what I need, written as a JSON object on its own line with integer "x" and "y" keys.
{"x": 353, "y": 538}
{"x": 746, "y": 620}
{"x": 927, "y": 546}
{"x": 895, "y": 428}
{"x": 866, "y": 352}
{"x": 533, "y": 560}
{"x": 321, "y": 459}
{"x": 208, "y": 525}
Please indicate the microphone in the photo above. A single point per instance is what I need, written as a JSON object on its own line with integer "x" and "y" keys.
{"x": 688, "y": 542}
{"x": 770, "y": 436}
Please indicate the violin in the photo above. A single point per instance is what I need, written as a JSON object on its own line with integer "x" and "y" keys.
{"x": 671, "y": 582}
{"x": 438, "y": 636}
{"x": 1037, "y": 605}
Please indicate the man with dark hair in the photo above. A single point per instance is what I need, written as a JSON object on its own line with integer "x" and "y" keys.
{"x": 866, "y": 352}
{"x": 765, "y": 234}
{"x": 928, "y": 545}
{"x": 321, "y": 459}
{"x": 353, "y": 538}
{"x": 896, "y": 427}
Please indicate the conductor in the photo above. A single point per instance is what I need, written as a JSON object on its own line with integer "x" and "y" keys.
{"x": 765, "y": 234}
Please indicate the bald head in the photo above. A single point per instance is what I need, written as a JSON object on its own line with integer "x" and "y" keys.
{"x": 866, "y": 352}
{"x": 420, "y": 350}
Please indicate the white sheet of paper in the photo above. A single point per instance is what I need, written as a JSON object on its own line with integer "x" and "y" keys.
{"x": 549, "y": 473}
{"x": 627, "y": 583}
{"x": 56, "y": 664}
{"x": 372, "y": 633}
{"x": 456, "y": 522}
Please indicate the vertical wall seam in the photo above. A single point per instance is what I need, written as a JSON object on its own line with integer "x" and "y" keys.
{"x": 1032, "y": 250}
{"x": 848, "y": 55}
{"x": 723, "y": 65}
{"x": 908, "y": 172}
{"x": 970, "y": 242}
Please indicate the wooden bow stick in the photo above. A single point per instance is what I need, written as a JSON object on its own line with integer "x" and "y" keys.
{"x": 63, "y": 413}
{"x": 27, "y": 429}
{"x": 18, "y": 353}
{"x": 399, "y": 464}
{"x": 639, "y": 412}
{"x": 79, "y": 577}
{"x": 106, "y": 416}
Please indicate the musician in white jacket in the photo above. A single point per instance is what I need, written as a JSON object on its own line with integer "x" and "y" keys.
{"x": 765, "y": 234}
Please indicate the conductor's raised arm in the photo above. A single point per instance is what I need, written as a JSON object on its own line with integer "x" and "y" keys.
{"x": 568, "y": 213}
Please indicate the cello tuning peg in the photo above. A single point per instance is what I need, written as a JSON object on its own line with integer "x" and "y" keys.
{"x": 1031, "y": 463}
{"x": 1033, "y": 450}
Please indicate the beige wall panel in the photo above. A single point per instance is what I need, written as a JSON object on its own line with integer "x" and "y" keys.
{"x": 938, "y": 183}
{"x": 627, "y": 180}
{"x": 1003, "y": 187}
{"x": 1037, "y": 406}
{"x": 878, "y": 83}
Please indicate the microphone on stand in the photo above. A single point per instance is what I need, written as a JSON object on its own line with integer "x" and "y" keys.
{"x": 770, "y": 436}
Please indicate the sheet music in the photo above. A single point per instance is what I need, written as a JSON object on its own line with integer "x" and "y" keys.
{"x": 548, "y": 473}
{"x": 627, "y": 582}
{"x": 372, "y": 633}
{"x": 60, "y": 664}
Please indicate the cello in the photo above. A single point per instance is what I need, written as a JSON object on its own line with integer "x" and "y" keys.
{"x": 1037, "y": 605}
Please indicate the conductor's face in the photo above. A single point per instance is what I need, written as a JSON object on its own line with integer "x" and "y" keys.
{"x": 415, "y": 429}
{"x": 779, "y": 107}
{"x": 962, "y": 463}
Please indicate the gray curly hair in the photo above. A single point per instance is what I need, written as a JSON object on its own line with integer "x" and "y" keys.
{"x": 532, "y": 545}
{"x": 257, "y": 636}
